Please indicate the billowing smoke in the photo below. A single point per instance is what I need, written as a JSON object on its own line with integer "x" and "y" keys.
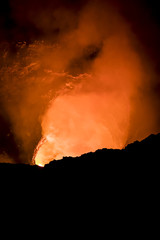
{"x": 79, "y": 81}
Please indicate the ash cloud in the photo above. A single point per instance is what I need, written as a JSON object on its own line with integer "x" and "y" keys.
{"x": 52, "y": 49}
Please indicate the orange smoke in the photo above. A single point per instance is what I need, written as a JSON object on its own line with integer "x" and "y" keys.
{"x": 96, "y": 111}
{"x": 87, "y": 89}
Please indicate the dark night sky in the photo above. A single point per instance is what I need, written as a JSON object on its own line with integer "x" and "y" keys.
{"x": 16, "y": 20}
{"x": 17, "y": 24}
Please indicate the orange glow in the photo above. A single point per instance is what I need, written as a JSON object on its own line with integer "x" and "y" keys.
{"x": 39, "y": 164}
{"x": 37, "y": 159}
{"x": 94, "y": 110}
{"x": 86, "y": 89}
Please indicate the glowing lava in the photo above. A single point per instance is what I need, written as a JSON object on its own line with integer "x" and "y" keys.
{"x": 36, "y": 159}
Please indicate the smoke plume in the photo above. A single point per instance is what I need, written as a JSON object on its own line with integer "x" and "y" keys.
{"x": 78, "y": 78}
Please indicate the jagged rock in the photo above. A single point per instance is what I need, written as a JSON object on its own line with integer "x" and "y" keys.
{"x": 138, "y": 158}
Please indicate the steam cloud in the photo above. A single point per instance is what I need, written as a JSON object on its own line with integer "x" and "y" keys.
{"x": 80, "y": 79}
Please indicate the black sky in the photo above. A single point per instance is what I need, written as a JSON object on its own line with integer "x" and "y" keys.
{"x": 17, "y": 19}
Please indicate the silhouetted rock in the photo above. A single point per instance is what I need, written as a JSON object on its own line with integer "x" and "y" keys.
{"x": 138, "y": 160}
{"x": 114, "y": 183}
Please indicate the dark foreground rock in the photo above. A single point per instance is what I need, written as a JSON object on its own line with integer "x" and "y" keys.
{"x": 115, "y": 187}
{"x": 139, "y": 160}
